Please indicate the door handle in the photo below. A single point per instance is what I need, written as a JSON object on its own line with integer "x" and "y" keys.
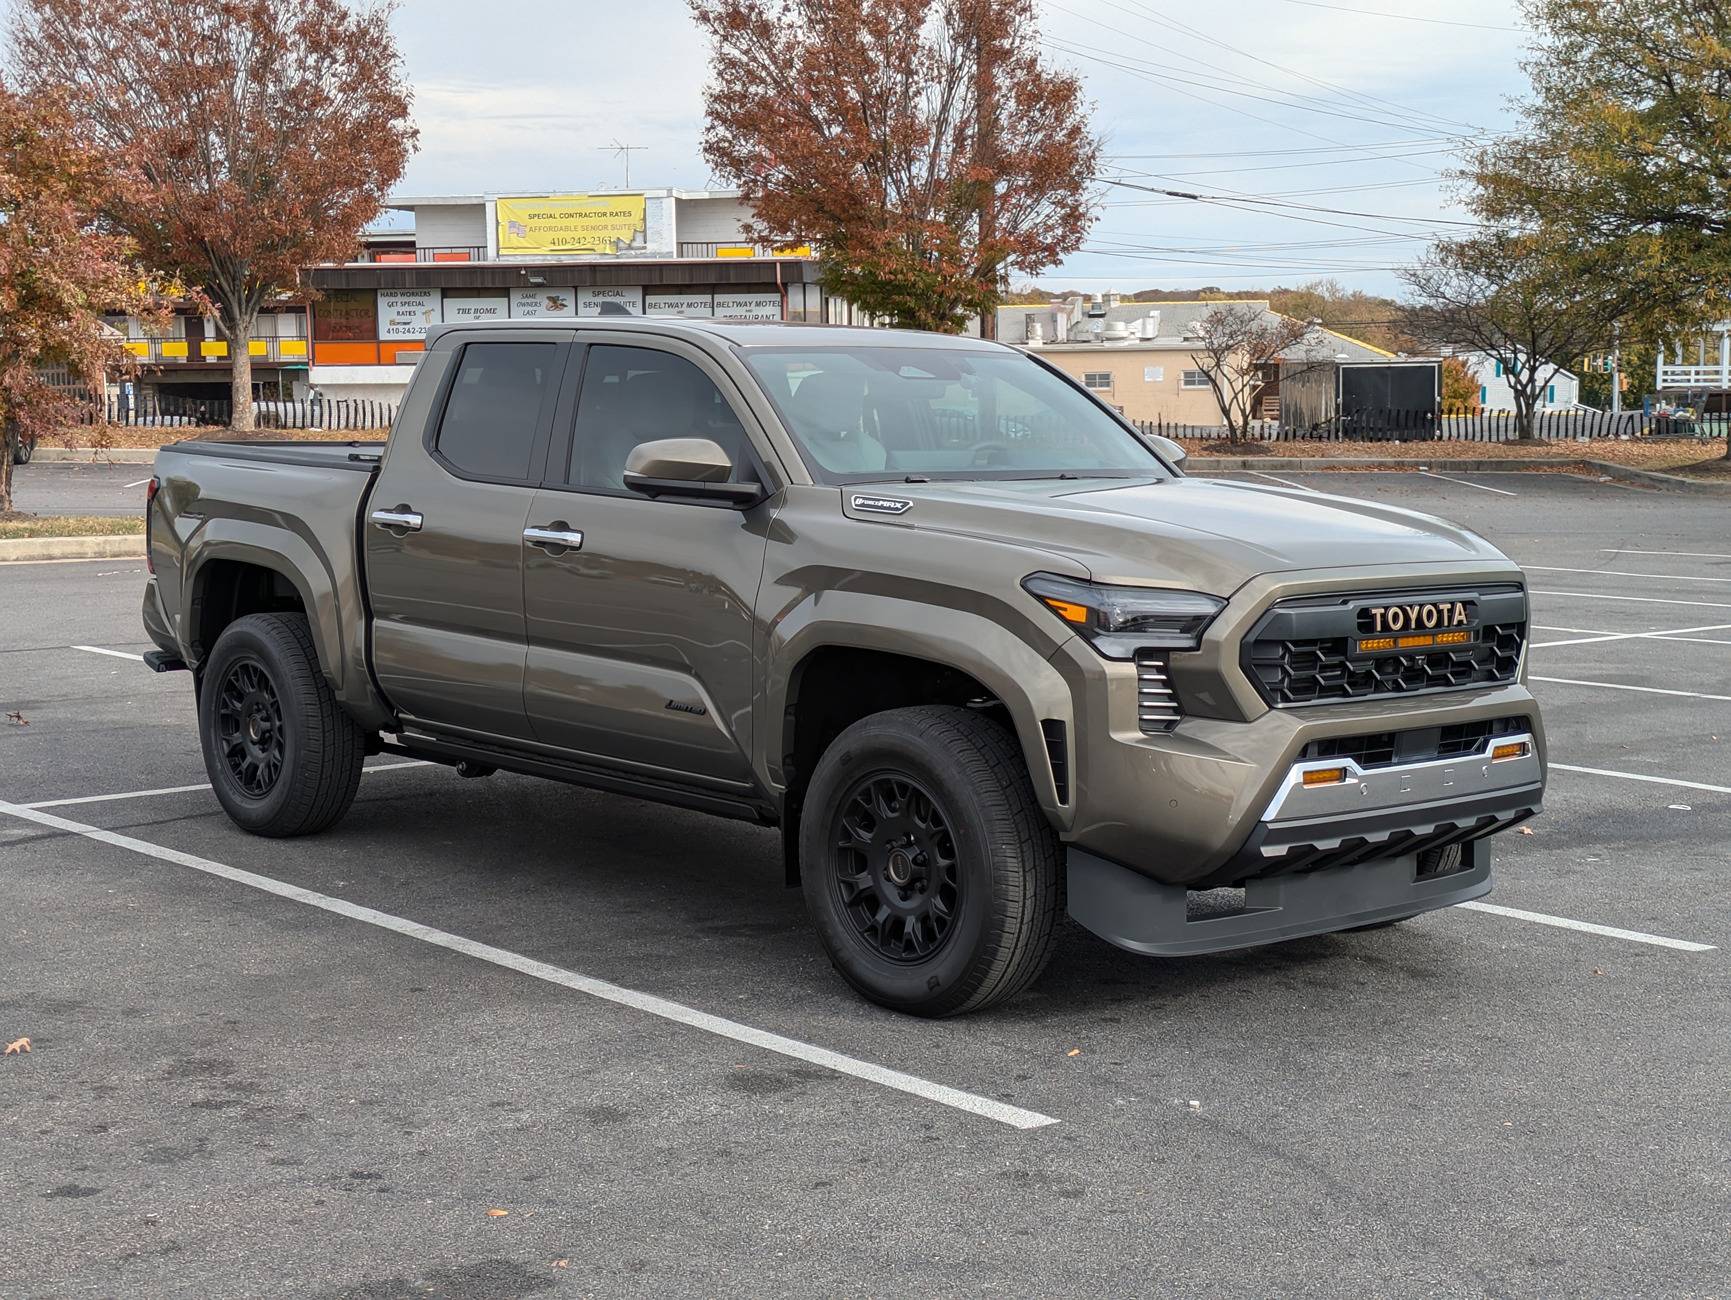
{"x": 556, "y": 536}
{"x": 409, "y": 521}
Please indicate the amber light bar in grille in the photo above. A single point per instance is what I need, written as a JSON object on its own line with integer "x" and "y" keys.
{"x": 1421, "y": 641}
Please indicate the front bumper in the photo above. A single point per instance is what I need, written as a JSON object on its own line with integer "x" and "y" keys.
{"x": 1142, "y": 915}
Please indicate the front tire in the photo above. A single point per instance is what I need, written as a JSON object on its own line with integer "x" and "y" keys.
{"x": 928, "y": 868}
{"x": 283, "y": 757}
{"x": 22, "y": 450}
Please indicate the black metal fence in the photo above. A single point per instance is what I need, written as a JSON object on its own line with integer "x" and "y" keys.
{"x": 1481, "y": 426}
{"x": 160, "y": 411}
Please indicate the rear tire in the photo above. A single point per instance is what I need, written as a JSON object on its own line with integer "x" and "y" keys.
{"x": 22, "y": 450}
{"x": 283, "y": 757}
{"x": 928, "y": 868}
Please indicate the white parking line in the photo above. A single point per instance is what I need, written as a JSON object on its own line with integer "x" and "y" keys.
{"x": 1591, "y": 636}
{"x": 1284, "y": 482}
{"x": 141, "y": 482}
{"x": 1587, "y": 927}
{"x": 1699, "y": 555}
{"x": 1623, "y": 573}
{"x": 1641, "y": 776}
{"x": 1502, "y": 492}
{"x": 1619, "y": 686}
{"x": 1638, "y": 600}
{"x": 985, "y": 1107}
{"x": 98, "y": 650}
{"x": 188, "y": 789}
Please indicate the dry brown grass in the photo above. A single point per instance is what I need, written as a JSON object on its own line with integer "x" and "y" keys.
{"x": 16, "y": 523}
{"x": 1669, "y": 455}
{"x": 96, "y": 439}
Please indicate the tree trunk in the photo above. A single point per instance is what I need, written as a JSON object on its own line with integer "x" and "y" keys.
{"x": 1524, "y": 416}
{"x": 240, "y": 365}
{"x": 5, "y": 473}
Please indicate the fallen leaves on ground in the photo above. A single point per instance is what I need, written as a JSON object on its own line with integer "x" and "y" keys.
{"x": 18, "y": 1046}
{"x": 496, "y": 1213}
{"x": 1526, "y": 830}
{"x": 17, "y": 719}
{"x": 1074, "y": 1051}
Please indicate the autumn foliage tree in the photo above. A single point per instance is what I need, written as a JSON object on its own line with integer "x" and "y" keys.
{"x": 253, "y": 139}
{"x": 921, "y": 146}
{"x": 1236, "y": 344}
{"x": 58, "y": 273}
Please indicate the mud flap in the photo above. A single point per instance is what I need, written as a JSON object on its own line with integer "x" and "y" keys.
{"x": 1142, "y": 915}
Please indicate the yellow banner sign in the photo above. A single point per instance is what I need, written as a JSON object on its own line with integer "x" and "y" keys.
{"x": 563, "y": 224}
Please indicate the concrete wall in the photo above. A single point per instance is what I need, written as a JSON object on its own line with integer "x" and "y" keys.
{"x": 1147, "y": 383}
{"x": 361, "y": 383}
{"x": 451, "y": 225}
{"x": 711, "y": 221}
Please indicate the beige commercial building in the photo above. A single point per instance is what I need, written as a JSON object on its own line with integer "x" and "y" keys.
{"x": 1142, "y": 357}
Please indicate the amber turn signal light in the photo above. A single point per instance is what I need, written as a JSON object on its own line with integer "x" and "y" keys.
{"x": 1514, "y": 749}
{"x": 1325, "y": 776}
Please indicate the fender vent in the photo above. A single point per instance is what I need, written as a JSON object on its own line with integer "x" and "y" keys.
{"x": 1058, "y": 754}
{"x": 1156, "y": 701}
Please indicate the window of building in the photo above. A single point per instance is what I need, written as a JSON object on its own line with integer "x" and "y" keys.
{"x": 633, "y": 395}
{"x": 494, "y": 410}
{"x": 1499, "y": 373}
{"x": 1194, "y": 379}
{"x": 1550, "y": 394}
{"x": 1100, "y": 380}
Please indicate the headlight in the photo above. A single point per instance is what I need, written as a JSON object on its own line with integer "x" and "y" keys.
{"x": 1119, "y": 621}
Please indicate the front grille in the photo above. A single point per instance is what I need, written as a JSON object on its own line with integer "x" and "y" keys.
{"x": 1156, "y": 702}
{"x": 1417, "y": 745}
{"x": 1302, "y": 651}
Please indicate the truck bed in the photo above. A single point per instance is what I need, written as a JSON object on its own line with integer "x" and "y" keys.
{"x": 355, "y": 454}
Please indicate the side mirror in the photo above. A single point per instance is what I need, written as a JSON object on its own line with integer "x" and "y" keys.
{"x": 689, "y": 469}
{"x": 1170, "y": 451}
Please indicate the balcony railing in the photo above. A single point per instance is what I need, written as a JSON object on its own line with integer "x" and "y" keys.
{"x": 1688, "y": 377}
{"x": 431, "y": 253}
{"x": 188, "y": 352}
{"x": 735, "y": 248}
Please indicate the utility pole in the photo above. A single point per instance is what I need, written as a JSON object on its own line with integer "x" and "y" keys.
{"x": 1616, "y": 370}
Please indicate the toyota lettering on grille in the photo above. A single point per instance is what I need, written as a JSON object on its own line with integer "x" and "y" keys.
{"x": 1420, "y": 616}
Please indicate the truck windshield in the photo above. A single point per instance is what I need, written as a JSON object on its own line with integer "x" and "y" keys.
{"x": 873, "y": 413}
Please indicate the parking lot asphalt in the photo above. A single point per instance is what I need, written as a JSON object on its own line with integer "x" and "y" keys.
{"x": 288, "y": 1083}
{"x": 80, "y": 488}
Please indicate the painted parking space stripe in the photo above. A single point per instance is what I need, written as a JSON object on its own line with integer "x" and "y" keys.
{"x": 100, "y": 650}
{"x": 1624, "y": 573}
{"x": 1588, "y": 927}
{"x": 1284, "y": 482}
{"x": 1590, "y": 636}
{"x": 1620, "y": 686}
{"x": 188, "y": 789}
{"x": 972, "y": 1103}
{"x": 1502, "y": 492}
{"x": 1679, "y": 782}
{"x": 1638, "y": 600}
{"x": 1698, "y": 555}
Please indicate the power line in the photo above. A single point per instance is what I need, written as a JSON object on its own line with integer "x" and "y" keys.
{"x": 1196, "y": 33}
{"x": 1410, "y": 18}
{"x": 1231, "y": 199}
{"x": 1291, "y": 166}
{"x": 1315, "y": 148}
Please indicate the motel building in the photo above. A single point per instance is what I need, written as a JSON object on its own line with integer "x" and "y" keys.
{"x": 477, "y": 257}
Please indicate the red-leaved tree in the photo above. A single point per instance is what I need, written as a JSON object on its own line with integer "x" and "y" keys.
{"x": 921, "y": 145}
{"x": 58, "y": 273}
{"x": 255, "y": 138}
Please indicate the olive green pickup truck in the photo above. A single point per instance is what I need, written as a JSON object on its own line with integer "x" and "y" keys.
{"x": 982, "y": 652}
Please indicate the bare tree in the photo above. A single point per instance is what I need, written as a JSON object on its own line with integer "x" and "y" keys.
{"x": 1519, "y": 302}
{"x": 1239, "y": 341}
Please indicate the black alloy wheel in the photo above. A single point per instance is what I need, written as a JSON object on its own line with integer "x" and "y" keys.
{"x": 250, "y": 727}
{"x": 895, "y": 869}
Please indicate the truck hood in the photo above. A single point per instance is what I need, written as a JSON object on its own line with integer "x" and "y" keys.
{"x": 1190, "y": 532}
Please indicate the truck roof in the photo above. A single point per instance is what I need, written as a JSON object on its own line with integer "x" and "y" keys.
{"x": 741, "y": 333}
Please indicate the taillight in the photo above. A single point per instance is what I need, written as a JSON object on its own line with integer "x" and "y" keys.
{"x": 149, "y": 501}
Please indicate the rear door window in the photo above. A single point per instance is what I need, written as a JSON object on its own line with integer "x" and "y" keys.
{"x": 493, "y": 415}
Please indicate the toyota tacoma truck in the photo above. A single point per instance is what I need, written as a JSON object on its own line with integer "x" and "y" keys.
{"x": 981, "y": 651}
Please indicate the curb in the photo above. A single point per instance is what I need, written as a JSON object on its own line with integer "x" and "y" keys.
{"x": 95, "y": 455}
{"x": 129, "y": 546}
{"x": 1608, "y": 469}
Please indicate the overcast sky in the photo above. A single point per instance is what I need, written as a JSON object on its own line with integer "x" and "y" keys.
{"x": 1368, "y": 101}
